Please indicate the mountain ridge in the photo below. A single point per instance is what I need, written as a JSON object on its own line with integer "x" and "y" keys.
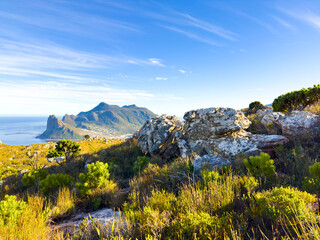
{"x": 102, "y": 120}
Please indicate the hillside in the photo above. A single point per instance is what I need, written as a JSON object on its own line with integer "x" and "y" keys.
{"x": 103, "y": 120}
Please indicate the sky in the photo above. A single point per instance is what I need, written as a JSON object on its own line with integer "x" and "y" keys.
{"x": 67, "y": 56}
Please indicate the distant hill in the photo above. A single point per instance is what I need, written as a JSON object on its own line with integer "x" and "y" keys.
{"x": 103, "y": 120}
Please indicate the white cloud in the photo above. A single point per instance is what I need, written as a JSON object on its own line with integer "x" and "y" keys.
{"x": 156, "y": 62}
{"x": 161, "y": 78}
{"x": 182, "y": 71}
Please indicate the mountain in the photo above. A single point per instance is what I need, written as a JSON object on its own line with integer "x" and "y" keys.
{"x": 56, "y": 129}
{"x": 102, "y": 120}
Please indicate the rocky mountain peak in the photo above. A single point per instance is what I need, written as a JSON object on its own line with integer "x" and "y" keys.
{"x": 54, "y": 122}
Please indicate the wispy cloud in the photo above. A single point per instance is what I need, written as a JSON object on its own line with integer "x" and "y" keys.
{"x": 191, "y": 26}
{"x": 283, "y": 22}
{"x": 52, "y": 60}
{"x": 59, "y": 18}
{"x": 156, "y": 62}
{"x": 192, "y": 35}
{"x": 39, "y": 93}
{"x": 211, "y": 28}
{"x": 182, "y": 71}
{"x": 306, "y": 16}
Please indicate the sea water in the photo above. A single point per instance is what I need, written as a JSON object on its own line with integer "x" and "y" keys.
{"x": 21, "y": 130}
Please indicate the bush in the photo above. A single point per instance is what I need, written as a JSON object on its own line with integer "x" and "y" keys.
{"x": 21, "y": 220}
{"x": 260, "y": 166}
{"x": 140, "y": 164}
{"x": 10, "y": 210}
{"x": 64, "y": 148}
{"x": 97, "y": 177}
{"x": 292, "y": 100}
{"x": 65, "y": 203}
{"x": 33, "y": 177}
{"x": 255, "y": 106}
{"x": 283, "y": 202}
{"x": 54, "y": 181}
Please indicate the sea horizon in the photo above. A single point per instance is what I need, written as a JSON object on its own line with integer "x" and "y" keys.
{"x": 22, "y": 129}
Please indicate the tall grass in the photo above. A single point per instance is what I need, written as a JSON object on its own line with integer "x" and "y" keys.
{"x": 31, "y": 224}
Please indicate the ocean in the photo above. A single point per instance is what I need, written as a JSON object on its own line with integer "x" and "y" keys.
{"x": 21, "y": 130}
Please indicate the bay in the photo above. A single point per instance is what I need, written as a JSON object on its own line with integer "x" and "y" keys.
{"x": 22, "y": 130}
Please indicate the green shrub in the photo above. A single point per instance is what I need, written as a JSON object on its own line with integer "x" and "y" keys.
{"x": 292, "y": 100}
{"x": 54, "y": 181}
{"x": 209, "y": 176}
{"x": 140, "y": 164}
{"x": 97, "y": 177}
{"x": 64, "y": 148}
{"x": 260, "y": 166}
{"x": 10, "y": 210}
{"x": 283, "y": 202}
{"x": 255, "y": 106}
{"x": 33, "y": 177}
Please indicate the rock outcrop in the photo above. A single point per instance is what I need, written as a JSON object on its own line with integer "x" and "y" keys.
{"x": 162, "y": 136}
{"x": 223, "y": 130}
{"x": 210, "y": 162}
{"x": 205, "y": 131}
{"x": 295, "y": 124}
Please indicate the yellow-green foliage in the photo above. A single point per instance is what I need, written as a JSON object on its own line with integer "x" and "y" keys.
{"x": 315, "y": 170}
{"x": 54, "y": 181}
{"x": 97, "y": 177}
{"x": 10, "y": 210}
{"x": 314, "y": 108}
{"x": 65, "y": 203}
{"x": 198, "y": 212}
{"x": 27, "y": 220}
{"x": 312, "y": 183}
{"x": 283, "y": 202}
{"x": 33, "y": 176}
{"x": 140, "y": 164}
{"x": 260, "y": 166}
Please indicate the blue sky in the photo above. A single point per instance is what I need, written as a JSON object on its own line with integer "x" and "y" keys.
{"x": 66, "y": 56}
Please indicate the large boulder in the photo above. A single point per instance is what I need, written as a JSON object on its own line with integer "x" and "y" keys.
{"x": 162, "y": 136}
{"x": 210, "y": 162}
{"x": 213, "y": 122}
{"x": 295, "y": 124}
{"x": 205, "y": 131}
{"x": 222, "y": 130}
{"x": 299, "y": 123}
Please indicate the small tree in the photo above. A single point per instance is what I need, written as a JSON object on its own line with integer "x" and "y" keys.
{"x": 260, "y": 166}
{"x": 65, "y": 148}
{"x": 255, "y": 106}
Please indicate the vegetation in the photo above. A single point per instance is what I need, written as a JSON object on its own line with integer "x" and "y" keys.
{"x": 260, "y": 166}
{"x": 54, "y": 181}
{"x": 96, "y": 177}
{"x": 255, "y": 106}
{"x": 65, "y": 148}
{"x": 33, "y": 177}
{"x": 256, "y": 198}
{"x": 293, "y": 100}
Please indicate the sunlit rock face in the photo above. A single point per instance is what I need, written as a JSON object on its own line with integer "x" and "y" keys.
{"x": 295, "y": 124}
{"x": 162, "y": 136}
{"x": 205, "y": 131}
